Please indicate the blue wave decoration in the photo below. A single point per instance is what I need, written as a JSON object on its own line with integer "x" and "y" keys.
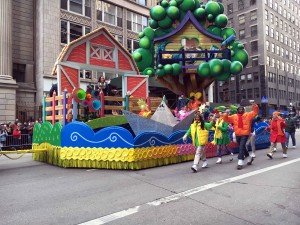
{"x": 78, "y": 134}
{"x": 149, "y": 139}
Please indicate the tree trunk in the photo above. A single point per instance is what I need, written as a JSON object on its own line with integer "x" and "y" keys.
{"x": 191, "y": 83}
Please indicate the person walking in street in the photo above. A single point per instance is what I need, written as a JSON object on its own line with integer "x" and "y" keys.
{"x": 221, "y": 137}
{"x": 242, "y": 127}
{"x": 199, "y": 131}
{"x": 290, "y": 129}
{"x": 277, "y": 134}
{"x": 252, "y": 136}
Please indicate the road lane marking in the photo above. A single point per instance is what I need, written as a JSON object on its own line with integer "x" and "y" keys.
{"x": 136, "y": 209}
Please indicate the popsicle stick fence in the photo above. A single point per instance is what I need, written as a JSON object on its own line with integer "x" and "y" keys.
{"x": 58, "y": 108}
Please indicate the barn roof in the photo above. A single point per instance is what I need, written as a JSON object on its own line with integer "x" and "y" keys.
{"x": 69, "y": 47}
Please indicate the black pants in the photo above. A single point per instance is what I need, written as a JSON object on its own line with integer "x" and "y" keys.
{"x": 241, "y": 140}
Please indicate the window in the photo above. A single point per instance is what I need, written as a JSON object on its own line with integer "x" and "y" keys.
{"x": 71, "y": 31}
{"x": 277, "y": 50}
{"x": 272, "y": 33}
{"x": 267, "y": 45}
{"x": 230, "y": 8}
{"x": 132, "y": 45}
{"x": 281, "y": 38}
{"x": 254, "y": 46}
{"x": 267, "y": 30}
{"x": 136, "y": 22}
{"x": 272, "y": 48}
{"x": 256, "y": 76}
{"x": 275, "y": 6}
{"x": 254, "y": 61}
{"x": 19, "y": 72}
{"x": 141, "y": 2}
{"x": 280, "y": 10}
{"x": 253, "y": 31}
{"x": 101, "y": 52}
{"x": 249, "y": 76}
{"x": 109, "y": 13}
{"x": 242, "y": 19}
{"x": 256, "y": 92}
{"x": 281, "y": 24}
{"x": 230, "y": 22}
{"x": 277, "y": 35}
{"x": 242, "y": 34}
{"x": 240, "y": 4}
{"x": 266, "y": 14}
{"x": 271, "y": 18}
{"x": 253, "y": 15}
{"x": 82, "y": 7}
{"x": 252, "y": 2}
{"x": 249, "y": 93}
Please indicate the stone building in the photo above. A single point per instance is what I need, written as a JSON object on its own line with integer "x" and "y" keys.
{"x": 33, "y": 33}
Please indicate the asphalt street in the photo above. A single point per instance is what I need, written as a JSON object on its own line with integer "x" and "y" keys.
{"x": 267, "y": 192}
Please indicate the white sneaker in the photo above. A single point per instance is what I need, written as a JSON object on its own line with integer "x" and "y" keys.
{"x": 253, "y": 155}
{"x": 194, "y": 168}
{"x": 284, "y": 155}
{"x": 275, "y": 149}
{"x": 204, "y": 165}
{"x": 231, "y": 157}
{"x": 294, "y": 146}
{"x": 219, "y": 161}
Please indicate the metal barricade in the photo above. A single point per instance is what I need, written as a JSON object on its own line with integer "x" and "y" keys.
{"x": 12, "y": 143}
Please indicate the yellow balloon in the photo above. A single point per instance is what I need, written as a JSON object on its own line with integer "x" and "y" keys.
{"x": 198, "y": 95}
{"x": 192, "y": 94}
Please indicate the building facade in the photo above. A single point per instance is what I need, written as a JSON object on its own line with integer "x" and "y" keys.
{"x": 33, "y": 33}
{"x": 269, "y": 29}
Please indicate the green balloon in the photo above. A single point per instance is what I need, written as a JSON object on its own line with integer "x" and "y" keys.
{"x": 165, "y": 23}
{"x": 187, "y": 5}
{"x": 164, "y": 3}
{"x": 145, "y": 42}
{"x": 168, "y": 69}
{"x": 216, "y": 67}
{"x": 172, "y": 3}
{"x": 203, "y": 70}
{"x": 241, "y": 56}
{"x": 179, "y": 2}
{"x": 221, "y": 7}
{"x": 146, "y": 58}
{"x": 160, "y": 72}
{"x": 226, "y": 65}
{"x": 81, "y": 94}
{"x": 173, "y": 12}
{"x": 157, "y": 12}
{"x": 221, "y": 21}
{"x": 199, "y": 13}
{"x": 241, "y": 46}
{"x": 153, "y": 24}
{"x": 149, "y": 71}
{"x": 216, "y": 31}
{"x": 176, "y": 69}
{"x": 226, "y": 32}
{"x": 236, "y": 67}
{"x": 212, "y": 8}
{"x": 223, "y": 76}
{"x": 137, "y": 56}
{"x": 149, "y": 33}
{"x": 160, "y": 66}
{"x": 141, "y": 34}
{"x": 210, "y": 17}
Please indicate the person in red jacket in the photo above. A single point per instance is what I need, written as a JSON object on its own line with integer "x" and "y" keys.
{"x": 277, "y": 134}
{"x": 242, "y": 128}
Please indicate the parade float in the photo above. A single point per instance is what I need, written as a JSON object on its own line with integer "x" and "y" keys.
{"x": 186, "y": 47}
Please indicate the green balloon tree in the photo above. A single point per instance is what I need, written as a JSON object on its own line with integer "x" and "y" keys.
{"x": 164, "y": 19}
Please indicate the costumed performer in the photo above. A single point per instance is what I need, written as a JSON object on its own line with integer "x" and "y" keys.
{"x": 277, "y": 134}
{"x": 242, "y": 125}
{"x": 199, "y": 133}
{"x": 221, "y": 137}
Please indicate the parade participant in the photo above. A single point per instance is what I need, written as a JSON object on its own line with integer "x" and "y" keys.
{"x": 290, "y": 128}
{"x": 193, "y": 103}
{"x": 103, "y": 85}
{"x": 221, "y": 137}
{"x": 183, "y": 113}
{"x": 199, "y": 133}
{"x": 277, "y": 135}
{"x": 206, "y": 113}
{"x": 252, "y": 136}
{"x": 242, "y": 125}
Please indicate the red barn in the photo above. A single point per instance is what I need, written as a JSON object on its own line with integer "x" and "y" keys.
{"x": 98, "y": 52}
